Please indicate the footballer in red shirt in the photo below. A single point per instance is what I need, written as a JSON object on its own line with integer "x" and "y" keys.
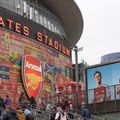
{"x": 101, "y": 92}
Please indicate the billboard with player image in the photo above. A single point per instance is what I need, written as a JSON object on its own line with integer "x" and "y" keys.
{"x": 103, "y": 82}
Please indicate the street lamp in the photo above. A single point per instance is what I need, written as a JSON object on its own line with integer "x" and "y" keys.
{"x": 76, "y": 49}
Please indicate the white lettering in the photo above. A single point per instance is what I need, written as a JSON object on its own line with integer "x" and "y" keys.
{"x": 33, "y": 67}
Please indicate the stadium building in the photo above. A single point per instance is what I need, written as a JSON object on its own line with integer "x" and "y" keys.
{"x": 35, "y": 41}
{"x": 110, "y": 57}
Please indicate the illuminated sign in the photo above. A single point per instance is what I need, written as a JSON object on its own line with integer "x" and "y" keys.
{"x": 25, "y": 30}
{"x": 32, "y": 75}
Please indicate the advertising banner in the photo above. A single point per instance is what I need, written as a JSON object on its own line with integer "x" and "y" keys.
{"x": 101, "y": 80}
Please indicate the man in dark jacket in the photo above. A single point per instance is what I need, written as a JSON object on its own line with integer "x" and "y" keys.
{"x": 10, "y": 115}
{"x": 2, "y": 105}
{"x": 21, "y": 98}
{"x": 86, "y": 115}
{"x": 33, "y": 102}
{"x": 53, "y": 113}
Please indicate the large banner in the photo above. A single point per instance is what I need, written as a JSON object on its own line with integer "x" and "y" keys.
{"x": 101, "y": 80}
{"x": 56, "y": 66}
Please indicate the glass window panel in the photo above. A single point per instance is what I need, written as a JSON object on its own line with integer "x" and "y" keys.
{"x": 17, "y": 6}
{"x": 45, "y": 22}
{"x": 91, "y": 96}
{"x": 28, "y": 10}
{"x": 55, "y": 29}
{"x": 117, "y": 89}
{"x": 24, "y": 7}
{"x": 52, "y": 27}
{"x": 41, "y": 19}
{"x": 49, "y": 26}
{"x": 36, "y": 16}
{"x": 33, "y": 14}
{"x": 39, "y": 14}
{"x": 58, "y": 31}
{"x": 11, "y": 5}
{"x": 110, "y": 93}
{"x": 21, "y": 7}
{"x": 4, "y": 3}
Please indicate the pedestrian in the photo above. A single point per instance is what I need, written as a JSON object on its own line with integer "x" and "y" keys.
{"x": 10, "y": 115}
{"x": 60, "y": 115}
{"x": 28, "y": 114}
{"x": 85, "y": 113}
{"x": 8, "y": 101}
{"x": 70, "y": 111}
{"x": 33, "y": 102}
{"x": 2, "y": 105}
{"x": 48, "y": 106}
{"x": 20, "y": 113}
{"x": 21, "y": 99}
{"x": 53, "y": 113}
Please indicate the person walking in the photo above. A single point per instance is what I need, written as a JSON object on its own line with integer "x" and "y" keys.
{"x": 33, "y": 102}
{"x": 10, "y": 115}
{"x": 28, "y": 114}
{"x": 20, "y": 113}
{"x": 60, "y": 115}
{"x": 21, "y": 98}
{"x": 8, "y": 101}
{"x": 2, "y": 105}
{"x": 85, "y": 113}
{"x": 53, "y": 113}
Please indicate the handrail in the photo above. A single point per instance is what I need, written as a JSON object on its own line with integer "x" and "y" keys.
{"x": 105, "y": 116}
{"x": 93, "y": 116}
{"x": 97, "y": 117}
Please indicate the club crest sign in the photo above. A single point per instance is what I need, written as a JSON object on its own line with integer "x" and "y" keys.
{"x": 32, "y": 75}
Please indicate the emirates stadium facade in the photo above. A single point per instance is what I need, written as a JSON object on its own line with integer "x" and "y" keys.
{"x": 35, "y": 41}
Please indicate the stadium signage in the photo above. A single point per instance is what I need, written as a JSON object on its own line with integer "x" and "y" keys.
{"x": 32, "y": 75}
{"x": 25, "y": 30}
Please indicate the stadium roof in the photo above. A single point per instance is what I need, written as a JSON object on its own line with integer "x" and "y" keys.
{"x": 70, "y": 16}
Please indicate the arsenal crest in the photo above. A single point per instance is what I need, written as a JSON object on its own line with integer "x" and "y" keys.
{"x": 32, "y": 75}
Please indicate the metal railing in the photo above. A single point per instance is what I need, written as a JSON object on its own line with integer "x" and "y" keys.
{"x": 111, "y": 93}
{"x": 44, "y": 114}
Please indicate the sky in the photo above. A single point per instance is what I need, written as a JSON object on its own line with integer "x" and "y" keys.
{"x": 101, "y": 32}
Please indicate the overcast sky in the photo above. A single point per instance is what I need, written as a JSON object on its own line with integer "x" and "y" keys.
{"x": 101, "y": 33}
